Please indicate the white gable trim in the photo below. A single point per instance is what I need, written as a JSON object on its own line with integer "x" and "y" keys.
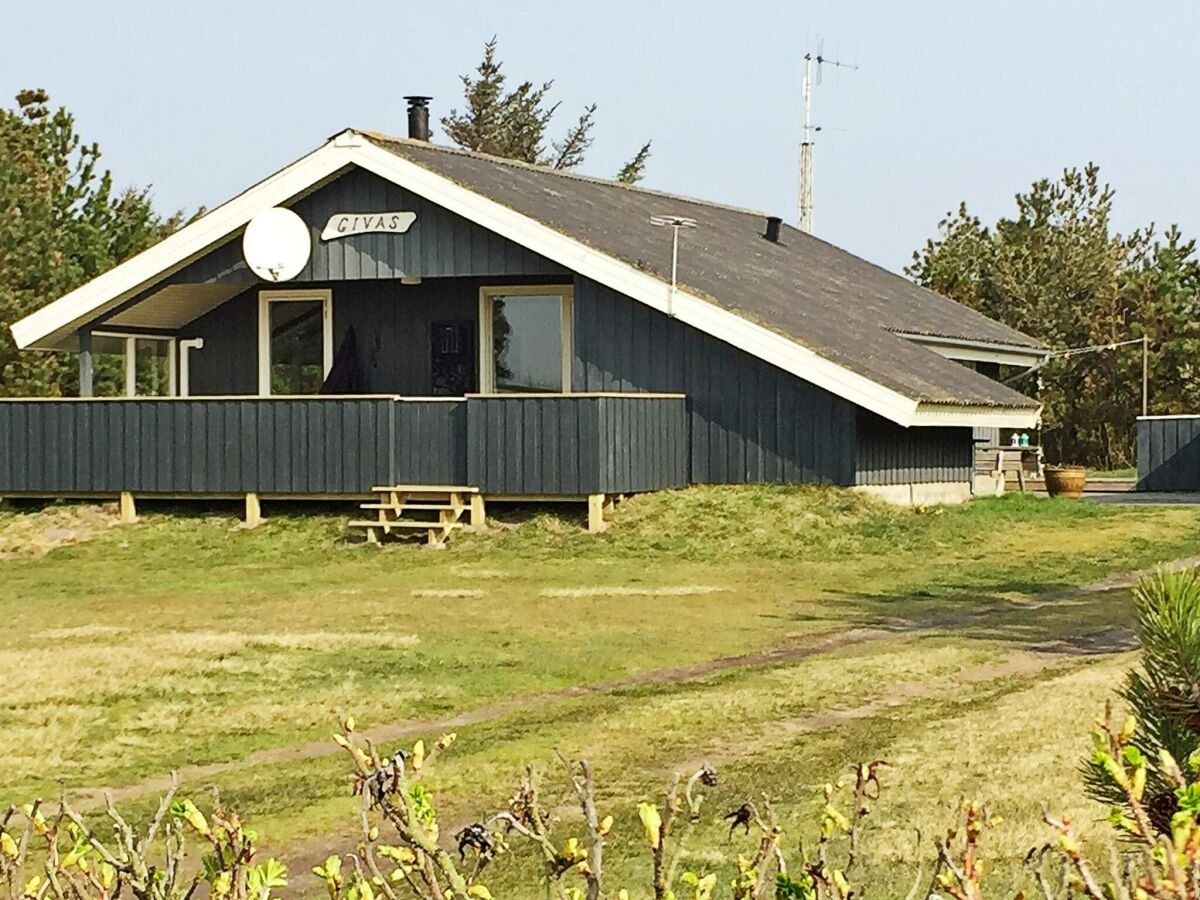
{"x": 43, "y": 328}
{"x": 350, "y": 148}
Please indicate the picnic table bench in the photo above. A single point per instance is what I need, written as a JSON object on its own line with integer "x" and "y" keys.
{"x": 1024, "y": 462}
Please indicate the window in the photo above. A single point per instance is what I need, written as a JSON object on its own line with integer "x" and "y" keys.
{"x": 295, "y": 341}
{"x": 525, "y": 344}
{"x": 128, "y": 365}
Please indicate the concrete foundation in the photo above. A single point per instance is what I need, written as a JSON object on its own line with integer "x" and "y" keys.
{"x": 932, "y": 494}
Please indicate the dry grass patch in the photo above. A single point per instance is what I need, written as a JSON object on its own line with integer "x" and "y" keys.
{"x": 666, "y": 590}
{"x": 35, "y": 534}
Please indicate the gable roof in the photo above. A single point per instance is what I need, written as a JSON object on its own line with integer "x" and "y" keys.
{"x": 831, "y": 301}
{"x": 801, "y": 304}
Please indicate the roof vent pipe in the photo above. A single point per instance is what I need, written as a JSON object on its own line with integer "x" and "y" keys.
{"x": 772, "y": 232}
{"x": 418, "y": 117}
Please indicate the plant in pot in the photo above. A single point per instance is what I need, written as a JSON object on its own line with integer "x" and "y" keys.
{"x": 1065, "y": 481}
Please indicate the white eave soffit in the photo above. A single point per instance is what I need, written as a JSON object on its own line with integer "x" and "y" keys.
{"x": 966, "y": 350}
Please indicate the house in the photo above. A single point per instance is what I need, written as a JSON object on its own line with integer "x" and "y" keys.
{"x": 475, "y": 322}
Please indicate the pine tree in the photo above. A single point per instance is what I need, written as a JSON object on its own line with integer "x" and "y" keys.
{"x": 1163, "y": 692}
{"x": 61, "y": 224}
{"x": 513, "y": 124}
{"x": 631, "y": 172}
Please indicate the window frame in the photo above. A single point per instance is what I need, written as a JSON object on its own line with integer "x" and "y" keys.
{"x": 265, "y": 299}
{"x": 129, "y": 352}
{"x": 487, "y": 296}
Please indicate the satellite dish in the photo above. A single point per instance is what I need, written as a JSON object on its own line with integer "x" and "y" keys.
{"x": 276, "y": 244}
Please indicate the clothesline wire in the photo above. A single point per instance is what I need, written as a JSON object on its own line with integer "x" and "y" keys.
{"x": 1072, "y": 351}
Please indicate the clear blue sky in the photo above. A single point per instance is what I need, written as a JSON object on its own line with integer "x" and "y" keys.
{"x": 953, "y": 101}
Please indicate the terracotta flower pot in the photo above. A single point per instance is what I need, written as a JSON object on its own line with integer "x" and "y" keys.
{"x": 1065, "y": 481}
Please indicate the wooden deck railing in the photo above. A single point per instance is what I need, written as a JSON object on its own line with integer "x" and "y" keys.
{"x": 561, "y": 444}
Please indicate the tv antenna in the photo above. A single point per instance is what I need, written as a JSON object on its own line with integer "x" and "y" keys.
{"x": 810, "y": 130}
{"x": 674, "y": 223}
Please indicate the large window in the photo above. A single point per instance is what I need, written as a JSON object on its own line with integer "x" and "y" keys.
{"x": 526, "y": 339}
{"x": 128, "y": 365}
{"x": 295, "y": 341}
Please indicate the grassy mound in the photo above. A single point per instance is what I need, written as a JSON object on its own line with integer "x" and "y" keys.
{"x": 776, "y": 522}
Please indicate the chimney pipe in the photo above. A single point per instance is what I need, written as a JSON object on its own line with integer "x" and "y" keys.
{"x": 418, "y": 117}
{"x": 772, "y": 232}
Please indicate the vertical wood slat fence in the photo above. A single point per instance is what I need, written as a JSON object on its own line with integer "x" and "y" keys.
{"x": 553, "y": 444}
{"x": 1168, "y": 453}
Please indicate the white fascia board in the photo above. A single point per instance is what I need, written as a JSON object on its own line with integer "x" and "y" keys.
{"x": 932, "y": 414}
{"x": 628, "y": 280}
{"x": 122, "y": 282}
{"x": 966, "y": 350}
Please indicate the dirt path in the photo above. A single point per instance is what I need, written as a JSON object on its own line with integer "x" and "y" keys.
{"x": 302, "y": 856}
{"x": 810, "y": 645}
{"x": 414, "y": 728}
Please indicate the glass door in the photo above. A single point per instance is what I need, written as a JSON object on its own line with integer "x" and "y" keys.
{"x": 295, "y": 342}
{"x": 133, "y": 365}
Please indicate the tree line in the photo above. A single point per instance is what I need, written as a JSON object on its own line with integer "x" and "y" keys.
{"x": 1055, "y": 268}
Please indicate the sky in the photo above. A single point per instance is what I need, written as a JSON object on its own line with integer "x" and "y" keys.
{"x": 952, "y": 101}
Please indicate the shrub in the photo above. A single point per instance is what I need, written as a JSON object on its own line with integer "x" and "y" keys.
{"x": 1163, "y": 692}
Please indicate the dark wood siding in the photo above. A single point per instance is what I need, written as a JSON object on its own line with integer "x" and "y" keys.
{"x": 534, "y": 445}
{"x": 889, "y": 454}
{"x": 558, "y": 445}
{"x": 439, "y": 243}
{"x": 644, "y": 443}
{"x": 196, "y": 446}
{"x": 228, "y": 362}
{"x": 1168, "y": 454}
{"x": 749, "y": 421}
{"x": 431, "y": 442}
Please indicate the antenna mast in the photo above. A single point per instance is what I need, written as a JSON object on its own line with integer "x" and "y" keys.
{"x": 806, "y": 145}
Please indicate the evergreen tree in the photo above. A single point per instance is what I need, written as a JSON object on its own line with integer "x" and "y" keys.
{"x": 1057, "y": 271}
{"x": 61, "y": 223}
{"x": 513, "y": 124}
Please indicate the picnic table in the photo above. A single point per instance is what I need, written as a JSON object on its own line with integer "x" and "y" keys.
{"x": 1004, "y": 458}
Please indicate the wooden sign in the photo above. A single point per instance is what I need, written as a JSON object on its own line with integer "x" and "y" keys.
{"x": 342, "y": 225}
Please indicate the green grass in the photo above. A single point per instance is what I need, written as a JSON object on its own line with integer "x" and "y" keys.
{"x": 1128, "y": 472}
{"x": 185, "y": 641}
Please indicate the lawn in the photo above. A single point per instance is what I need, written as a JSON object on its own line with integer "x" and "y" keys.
{"x": 779, "y": 633}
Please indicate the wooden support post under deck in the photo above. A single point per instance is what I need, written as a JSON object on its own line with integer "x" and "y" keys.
{"x": 128, "y": 508}
{"x": 595, "y": 513}
{"x": 478, "y": 513}
{"x": 254, "y": 516}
